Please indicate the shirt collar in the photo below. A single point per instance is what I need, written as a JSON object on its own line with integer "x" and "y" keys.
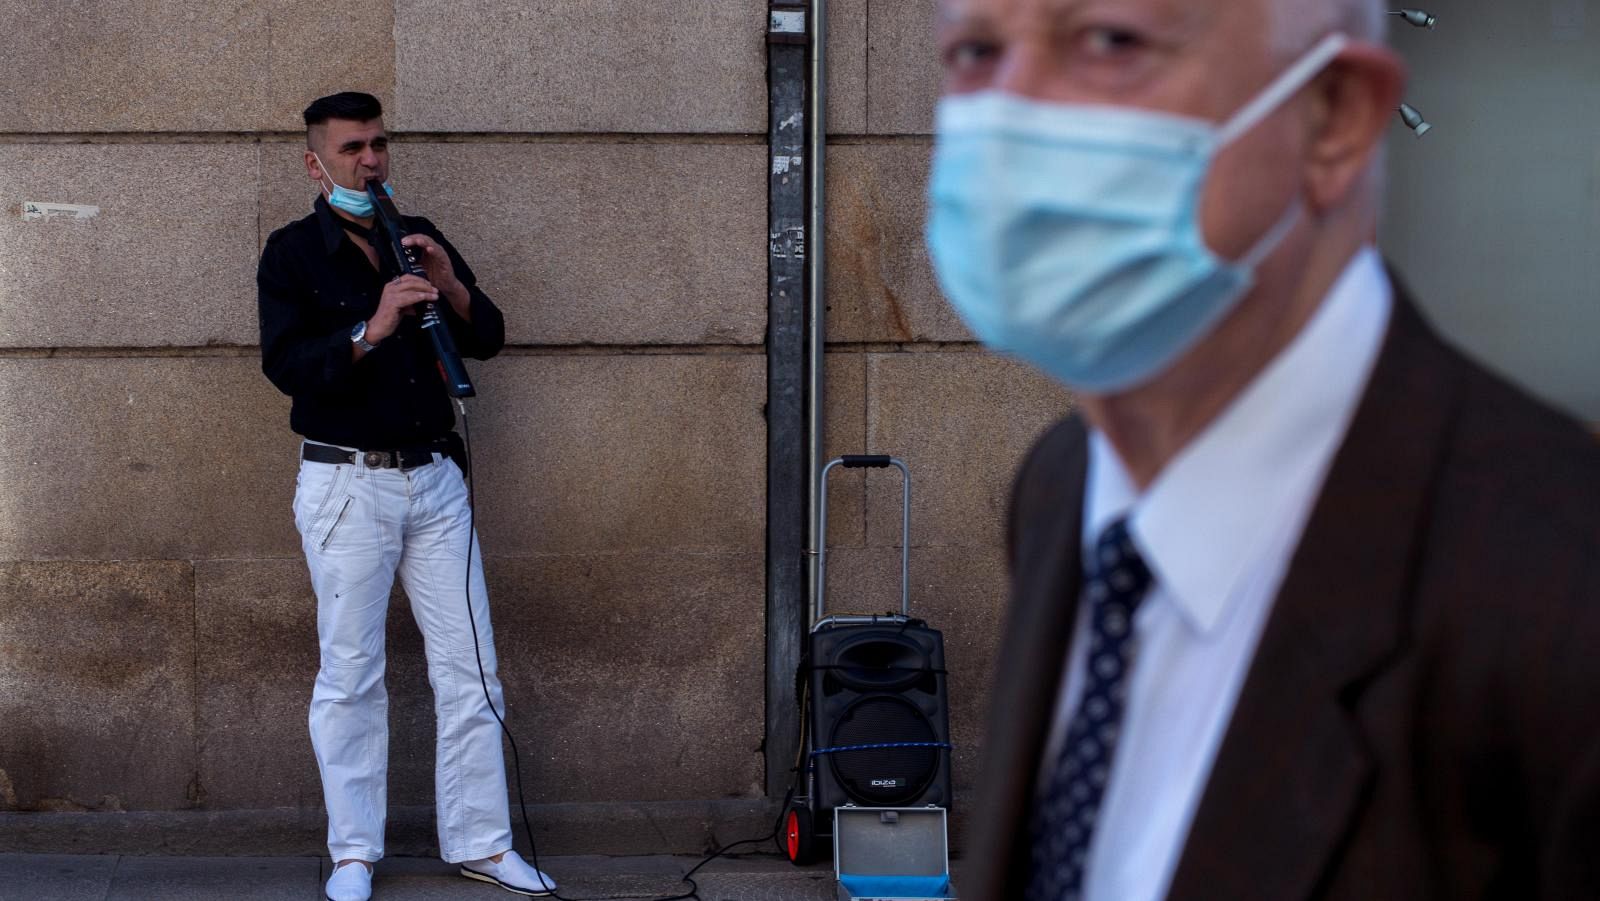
{"x": 1219, "y": 510}
{"x": 332, "y": 232}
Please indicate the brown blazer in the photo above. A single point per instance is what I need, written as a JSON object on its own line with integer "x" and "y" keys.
{"x": 1422, "y": 718}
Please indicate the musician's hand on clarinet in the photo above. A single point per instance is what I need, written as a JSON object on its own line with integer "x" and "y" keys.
{"x": 400, "y": 298}
{"x": 441, "y": 272}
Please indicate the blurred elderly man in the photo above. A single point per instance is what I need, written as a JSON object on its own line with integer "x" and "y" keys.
{"x": 1304, "y": 602}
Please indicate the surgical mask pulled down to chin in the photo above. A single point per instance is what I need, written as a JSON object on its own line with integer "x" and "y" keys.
{"x": 354, "y": 202}
{"x": 1069, "y": 235}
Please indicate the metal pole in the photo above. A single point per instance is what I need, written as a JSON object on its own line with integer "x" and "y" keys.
{"x": 816, "y": 284}
{"x": 786, "y": 385}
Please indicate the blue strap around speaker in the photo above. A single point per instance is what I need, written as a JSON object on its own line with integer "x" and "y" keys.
{"x": 885, "y": 746}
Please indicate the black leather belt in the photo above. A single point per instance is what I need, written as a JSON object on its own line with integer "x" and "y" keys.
{"x": 404, "y": 458}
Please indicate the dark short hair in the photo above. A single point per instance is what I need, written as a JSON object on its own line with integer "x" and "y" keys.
{"x": 352, "y": 105}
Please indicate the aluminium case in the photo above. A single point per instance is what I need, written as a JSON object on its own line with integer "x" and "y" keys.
{"x": 888, "y": 843}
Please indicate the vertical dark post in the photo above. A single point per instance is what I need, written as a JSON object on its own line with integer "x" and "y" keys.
{"x": 787, "y": 477}
{"x": 816, "y": 284}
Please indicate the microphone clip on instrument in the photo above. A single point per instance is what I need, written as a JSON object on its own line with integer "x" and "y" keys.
{"x": 456, "y": 381}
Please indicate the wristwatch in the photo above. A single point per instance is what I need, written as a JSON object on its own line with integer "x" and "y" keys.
{"x": 358, "y": 337}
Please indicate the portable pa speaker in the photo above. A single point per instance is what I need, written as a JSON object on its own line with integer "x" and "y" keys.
{"x": 880, "y": 716}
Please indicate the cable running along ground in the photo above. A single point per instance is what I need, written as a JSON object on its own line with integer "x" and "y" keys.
{"x": 516, "y": 759}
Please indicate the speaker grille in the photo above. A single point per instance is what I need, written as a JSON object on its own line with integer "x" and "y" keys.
{"x": 883, "y": 776}
{"x": 879, "y": 662}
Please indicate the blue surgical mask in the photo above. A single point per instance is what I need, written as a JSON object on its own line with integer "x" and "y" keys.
{"x": 354, "y": 202}
{"x": 1069, "y": 235}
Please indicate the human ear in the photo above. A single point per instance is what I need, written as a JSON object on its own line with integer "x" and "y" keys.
{"x": 313, "y": 168}
{"x": 1354, "y": 104}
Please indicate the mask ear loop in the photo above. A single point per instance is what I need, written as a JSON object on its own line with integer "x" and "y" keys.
{"x": 1287, "y": 85}
{"x": 324, "y": 168}
{"x": 1274, "y": 236}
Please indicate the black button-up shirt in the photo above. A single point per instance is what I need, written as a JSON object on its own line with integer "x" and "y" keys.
{"x": 315, "y": 285}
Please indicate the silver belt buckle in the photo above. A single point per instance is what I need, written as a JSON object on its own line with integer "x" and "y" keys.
{"x": 376, "y": 459}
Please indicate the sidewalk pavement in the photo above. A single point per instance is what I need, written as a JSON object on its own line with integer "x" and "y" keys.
{"x": 62, "y": 877}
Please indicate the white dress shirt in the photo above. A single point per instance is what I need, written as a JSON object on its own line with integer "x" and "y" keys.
{"x": 1216, "y": 529}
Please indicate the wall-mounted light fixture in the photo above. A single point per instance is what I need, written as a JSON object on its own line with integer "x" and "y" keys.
{"x": 1416, "y": 17}
{"x": 1408, "y": 113}
{"x": 1414, "y": 120}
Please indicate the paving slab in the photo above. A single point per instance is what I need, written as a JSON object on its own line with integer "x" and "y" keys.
{"x": 55, "y": 877}
{"x": 234, "y": 878}
{"x": 42, "y": 877}
{"x": 611, "y": 829}
{"x": 415, "y": 879}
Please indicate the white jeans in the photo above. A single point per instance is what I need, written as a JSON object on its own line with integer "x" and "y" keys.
{"x": 359, "y": 526}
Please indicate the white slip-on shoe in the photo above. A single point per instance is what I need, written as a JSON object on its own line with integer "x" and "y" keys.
{"x": 351, "y": 882}
{"x": 512, "y": 873}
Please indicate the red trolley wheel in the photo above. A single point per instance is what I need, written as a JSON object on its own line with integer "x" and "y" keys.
{"x": 799, "y": 836}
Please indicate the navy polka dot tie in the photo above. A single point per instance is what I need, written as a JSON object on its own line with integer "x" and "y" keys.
{"x": 1063, "y": 820}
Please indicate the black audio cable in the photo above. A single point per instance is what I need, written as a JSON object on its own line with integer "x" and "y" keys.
{"x": 516, "y": 759}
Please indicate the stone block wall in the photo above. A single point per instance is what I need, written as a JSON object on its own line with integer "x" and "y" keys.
{"x": 905, "y": 377}
{"x": 602, "y": 165}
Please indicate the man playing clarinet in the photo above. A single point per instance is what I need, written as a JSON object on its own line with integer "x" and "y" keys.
{"x": 381, "y": 492}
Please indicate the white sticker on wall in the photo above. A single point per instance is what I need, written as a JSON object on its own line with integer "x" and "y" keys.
{"x": 37, "y": 209}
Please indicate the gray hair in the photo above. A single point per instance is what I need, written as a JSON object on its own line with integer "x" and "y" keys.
{"x": 1297, "y": 24}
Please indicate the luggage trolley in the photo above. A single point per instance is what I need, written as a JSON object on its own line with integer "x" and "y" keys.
{"x": 875, "y": 727}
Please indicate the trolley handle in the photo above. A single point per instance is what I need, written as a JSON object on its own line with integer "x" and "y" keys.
{"x": 858, "y": 461}
{"x": 874, "y": 461}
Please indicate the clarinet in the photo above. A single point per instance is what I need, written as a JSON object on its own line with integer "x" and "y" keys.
{"x": 456, "y": 381}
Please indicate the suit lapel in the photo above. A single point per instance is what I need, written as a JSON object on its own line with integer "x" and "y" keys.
{"x": 1047, "y": 514}
{"x": 1291, "y": 774}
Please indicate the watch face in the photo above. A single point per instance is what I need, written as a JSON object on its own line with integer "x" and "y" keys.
{"x": 358, "y": 331}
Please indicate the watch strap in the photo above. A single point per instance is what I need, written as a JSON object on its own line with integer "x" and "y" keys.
{"x": 358, "y": 337}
